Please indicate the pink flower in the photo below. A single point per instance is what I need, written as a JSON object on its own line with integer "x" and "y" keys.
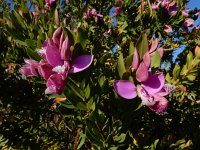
{"x": 168, "y": 28}
{"x": 117, "y": 11}
{"x": 188, "y": 22}
{"x": 172, "y": 9}
{"x": 165, "y": 3}
{"x": 30, "y": 68}
{"x": 155, "y": 6}
{"x": 151, "y": 92}
{"x": 9, "y": 67}
{"x": 56, "y": 63}
{"x": 49, "y": 3}
{"x": 185, "y": 12}
{"x": 151, "y": 89}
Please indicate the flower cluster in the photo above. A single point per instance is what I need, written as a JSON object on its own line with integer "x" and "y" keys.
{"x": 56, "y": 63}
{"x": 151, "y": 88}
{"x": 171, "y": 7}
{"x": 49, "y": 3}
{"x": 92, "y": 13}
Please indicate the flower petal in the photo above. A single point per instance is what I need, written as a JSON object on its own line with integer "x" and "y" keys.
{"x": 168, "y": 28}
{"x": 188, "y": 22}
{"x": 145, "y": 97}
{"x": 154, "y": 83}
{"x": 142, "y": 72}
{"x": 136, "y": 59}
{"x": 154, "y": 45}
{"x": 65, "y": 50}
{"x": 55, "y": 84}
{"x": 29, "y": 69}
{"x": 56, "y": 36}
{"x": 45, "y": 70}
{"x": 161, "y": 104}
{"x": 26, "y": 70}
{"x": 172, "y": 8}
{"x": 53, "y": 55}
{"x": 125, "y": 89}
{"x": 147, "y": 59}
{"x": 167, "y": 88}
{"x": 80, "y": 63}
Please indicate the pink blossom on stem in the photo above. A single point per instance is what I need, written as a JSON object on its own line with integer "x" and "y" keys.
{"x": 155, "y": 6}
{"x": 117, "y": 11}
{"x": 168, "y": 28}
{"x": 172, "y": 9}
{"x": 49, "y": 3}
{"x": 185, "y": 12}
{"x": 188, "y": 22}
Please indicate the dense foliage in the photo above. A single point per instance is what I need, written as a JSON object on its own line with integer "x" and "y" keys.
{"x": 99, "y": 74}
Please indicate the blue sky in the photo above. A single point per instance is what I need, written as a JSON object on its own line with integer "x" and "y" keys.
{"x": 194, "y": 4}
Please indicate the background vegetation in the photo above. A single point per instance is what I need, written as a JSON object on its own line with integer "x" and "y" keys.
{"x": 93, "y": 116}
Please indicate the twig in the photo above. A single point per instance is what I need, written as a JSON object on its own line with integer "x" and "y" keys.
{"x": 76, "y": 138}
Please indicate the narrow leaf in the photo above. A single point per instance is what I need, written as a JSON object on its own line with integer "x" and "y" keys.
{"x": 142, "y": 44}
{"x": 121, "y": 66}
{"x": 155, "y": 62}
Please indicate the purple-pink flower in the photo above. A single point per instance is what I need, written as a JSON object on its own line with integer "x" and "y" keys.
{"x": 188, "y": 22}
{"x": 151, "y": 87}
{"x": 56, "y": 63}
{"x": 92, "y": 13}
{"x": 155, "y": 6}
{"x": 168, "y": 28}
{"x": 185, "y": 12}
{"x": 172, "y": 9}
{"x": 49, "y": 3}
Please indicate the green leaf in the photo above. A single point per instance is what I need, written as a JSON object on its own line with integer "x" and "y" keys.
{"x": 69, "y": 34}
{"x": 78, "y": 49}
{"x": 56, "y": 17}
{"x": 189, "y": 59}
{"x": 191, "y": 77}
{"x": 155, "y": 61}
{"x": 20, "y": 20}
{"x": 184, "y": 70}
{"x": 74, "y": 87}
{"x": 67, "y": 104}
{"x": 91, "y": 104}
{"x": 101, "y": 80}
{"x": 131, "y": 48}
{"x": 81, "y": 140}
{"x": 93, "y": 130}
{"x": 176, "y": 72}
{"x": 31, "y": 43}
{"x": 121, "y": 66}
{"x": 81, "y": 106}
{"x": 33, "y": 54}
{"x": 87, "y": 91}
{"x": 75, "y": 95}
{"x": 21, "y": 43}
{"x": 128, "y": 62}
{"x": 121, "y": 138}
{"x": 122, "y": 27}
{"x": 142, "y": 44}
{"x": 105, "y": 56}
{"x": 168, "y": 78}
{"x": 82, "y": 37}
